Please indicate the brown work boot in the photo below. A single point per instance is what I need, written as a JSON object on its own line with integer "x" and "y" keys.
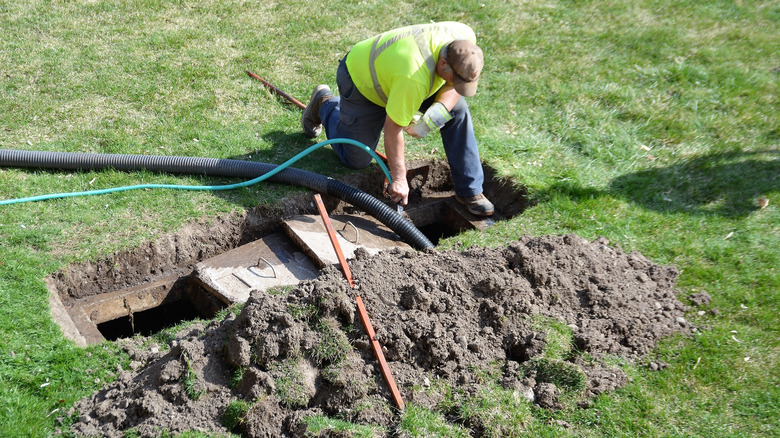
{"x": 312, "y": 125}
{"x": 477, "y": 205}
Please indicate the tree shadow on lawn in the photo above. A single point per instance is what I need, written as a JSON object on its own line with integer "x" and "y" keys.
{"x": 724, "y": 184}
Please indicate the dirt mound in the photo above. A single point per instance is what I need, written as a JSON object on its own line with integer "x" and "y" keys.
{"x": 545, "y": 312}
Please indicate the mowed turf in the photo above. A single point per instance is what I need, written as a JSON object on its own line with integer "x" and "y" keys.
{"x": 652, "y": 123}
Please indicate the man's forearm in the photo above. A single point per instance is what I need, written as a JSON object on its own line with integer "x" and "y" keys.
{"x": 394, "y": 148}
{"x": 448, "y": 96}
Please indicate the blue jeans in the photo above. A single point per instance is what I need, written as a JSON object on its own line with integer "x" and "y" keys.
{"x": 352, "y": 116}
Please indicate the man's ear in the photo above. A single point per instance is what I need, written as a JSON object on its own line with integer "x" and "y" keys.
{"x": 442, "y": 63}
{"x": 445, "y": 67}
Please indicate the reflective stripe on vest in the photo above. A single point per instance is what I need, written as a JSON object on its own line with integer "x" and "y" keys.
{"x": 417, "y": 32}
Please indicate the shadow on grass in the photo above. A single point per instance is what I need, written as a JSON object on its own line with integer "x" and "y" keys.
{"x": 287, "y": 145}
{"x": 725, "y": 184}
{"x": 284, "y": 146}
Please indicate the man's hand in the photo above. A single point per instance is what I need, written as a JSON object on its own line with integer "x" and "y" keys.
{"x": 437, "y": 114}
{"x": 434, "y": 118}
{"x": 411, "y": 128}
{"x": 398, "y": 190}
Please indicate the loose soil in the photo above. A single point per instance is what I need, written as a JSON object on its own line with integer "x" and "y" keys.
{"x": 549, "y": 314}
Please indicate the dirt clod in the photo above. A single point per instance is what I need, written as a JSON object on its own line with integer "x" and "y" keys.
{"x": 700, "y": 299}
{"x": 548, "y": 310}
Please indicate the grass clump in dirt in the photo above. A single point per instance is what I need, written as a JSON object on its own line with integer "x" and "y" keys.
{"x": 290, "y": 381}
{"x": 304, "y": 312}
{"x": 564, "y": 375}
{"x": 344, "y": 375}
{"x": 235, "y": 414}
{"x": 487, "y": 409}
{"x": 279, "y": 290}
{"x": 191, "y": 381}
{"x": 493, "y": 411}
{"x": 558, "y": 337}
{"x": 333, "y": 345}
{"x": 237, "y": 377}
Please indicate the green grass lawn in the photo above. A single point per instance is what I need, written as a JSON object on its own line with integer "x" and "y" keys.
{"x": 652, "y": 123}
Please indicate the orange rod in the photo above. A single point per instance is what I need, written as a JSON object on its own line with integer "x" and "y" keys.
{"x": 383, "y": 157}
{"x": 276, "y": 90}
{"x": 333, "y": 240}
{"x": 361, "y": 308}
{"x": 379, "y": 355}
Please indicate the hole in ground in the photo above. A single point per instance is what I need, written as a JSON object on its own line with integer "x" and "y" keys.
{"x": 148, "y": 322}
{"x": 436, "y": 232}
{"x": 444, "y": 218}
{"x": 93, "y": 300}
{"x": 186, "y": 301}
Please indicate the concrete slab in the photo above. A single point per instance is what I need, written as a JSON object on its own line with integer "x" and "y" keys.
{"x": 265, "y": 263}
{"x": 66, "y": 321}
{"x": 352, "y": 232}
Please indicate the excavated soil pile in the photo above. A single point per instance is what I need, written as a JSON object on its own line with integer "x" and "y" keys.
{"x": 543, "y": 311}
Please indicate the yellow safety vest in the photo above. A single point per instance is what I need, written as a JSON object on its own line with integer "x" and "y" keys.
{"x": 397, "y": 69}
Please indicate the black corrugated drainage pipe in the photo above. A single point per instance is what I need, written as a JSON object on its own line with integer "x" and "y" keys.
{"x": 221, "y": 167}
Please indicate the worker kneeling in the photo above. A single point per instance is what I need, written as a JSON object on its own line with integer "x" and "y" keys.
{"x": 411, "y": 79}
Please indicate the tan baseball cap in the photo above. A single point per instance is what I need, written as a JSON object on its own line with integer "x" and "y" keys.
{"x": 466, "y": 61}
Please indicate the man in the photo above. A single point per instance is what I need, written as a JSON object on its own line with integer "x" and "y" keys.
{"x": 384, "y": 81}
